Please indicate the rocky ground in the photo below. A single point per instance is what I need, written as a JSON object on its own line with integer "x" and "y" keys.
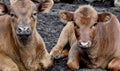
{"x": 49, "y": 26}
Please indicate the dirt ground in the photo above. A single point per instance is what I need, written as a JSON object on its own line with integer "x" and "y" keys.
{"x": 49, "y": 26}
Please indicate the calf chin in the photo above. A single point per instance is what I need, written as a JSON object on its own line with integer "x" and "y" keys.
{"x": 23, "y": 37}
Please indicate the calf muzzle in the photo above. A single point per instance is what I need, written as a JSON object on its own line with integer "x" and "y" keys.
{"x": 23, "y": 32}
{"x": 84, "y": 45}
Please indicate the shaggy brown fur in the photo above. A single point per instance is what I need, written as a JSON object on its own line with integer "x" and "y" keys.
{"x": 22, "y": 55}
{"x": 93, "y": 37}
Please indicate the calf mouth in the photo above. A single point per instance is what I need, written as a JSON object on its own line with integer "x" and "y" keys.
{"x": 23, "y": 37}
{"x": 84, "y": 47}
{"x": 23, "y": 34}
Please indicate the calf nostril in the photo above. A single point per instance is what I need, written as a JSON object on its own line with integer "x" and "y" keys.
{"x": 27, "y": 29}
{"x": 19, "y": 29}
{"x": 23, "y": 30}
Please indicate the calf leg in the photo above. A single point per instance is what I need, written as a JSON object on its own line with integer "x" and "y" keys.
{"x": 65, "y": 53}
{"x": 114, "y": 65}
{"x": 62, "y": 42}
{"x": 43, "y": 56}
{"x": 74, "y": 57}
{"x": 6, "y": 64}
{"x": 46, "y": 61}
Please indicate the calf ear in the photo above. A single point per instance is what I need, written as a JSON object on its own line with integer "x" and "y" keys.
{"x": 43, "y": 5}
{"x": 3, "y": 9}
{"x": 66, "y": 16}
{"x": 104, "y": 17}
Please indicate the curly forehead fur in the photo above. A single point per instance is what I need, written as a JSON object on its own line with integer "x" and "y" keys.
{"x": 23, "y": 3}
{"x": 86, "y": 11}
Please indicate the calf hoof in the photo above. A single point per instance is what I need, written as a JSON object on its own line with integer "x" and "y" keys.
{"x": 46, "y": 65}
{"x": 57, "y": 56}
{"x": 113, "y": 68}
{"x": 114, "y": 65}
{"x": 72, "y": 65}
{"x": 50, "y": 64}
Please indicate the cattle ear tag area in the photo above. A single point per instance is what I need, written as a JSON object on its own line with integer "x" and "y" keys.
{"x": 63, "y": 15}
{"x": 4, "y": 9}
{"x": 66, "y": 15}
{"x": 1, "y": 12}
{"x": 107, "y": 18}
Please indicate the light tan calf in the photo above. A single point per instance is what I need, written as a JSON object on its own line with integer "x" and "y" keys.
{"x": 21, "y": 47}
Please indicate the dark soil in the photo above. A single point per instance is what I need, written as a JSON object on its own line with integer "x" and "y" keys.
{"x": 49, "y": 26}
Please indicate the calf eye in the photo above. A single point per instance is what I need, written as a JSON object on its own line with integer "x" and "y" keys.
{"x": 34, "y": 14}
{"x": 13, "y": 15}
{"x": 93, "y": 25}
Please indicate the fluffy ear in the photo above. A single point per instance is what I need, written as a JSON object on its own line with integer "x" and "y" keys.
{"x": 104, "y": 17}
{"x": 66, "y": 16}
{"x": 3, "y": 9}
{"x": 43, "y": 5}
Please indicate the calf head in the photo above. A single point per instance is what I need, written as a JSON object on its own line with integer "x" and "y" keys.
{"x": 23, "y": 16}
{"x": 85, "y": 20}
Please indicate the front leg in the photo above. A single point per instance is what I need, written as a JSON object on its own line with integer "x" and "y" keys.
{"x": 46, "y": 61}
{"x": 27, "y": 57}
{"x": 74, "y": 57}
{"x": 7, "y": 64}
{"x": 56, "y": 51}
{"x": 114, "y": 65}
{"x": 43, "y": 57}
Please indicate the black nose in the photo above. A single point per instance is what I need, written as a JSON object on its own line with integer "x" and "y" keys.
{"x": 22, "y": 31}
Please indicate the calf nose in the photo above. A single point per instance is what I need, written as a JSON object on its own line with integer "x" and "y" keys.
{"x": 23, "y": 30}
{"x": 84, "y": 44}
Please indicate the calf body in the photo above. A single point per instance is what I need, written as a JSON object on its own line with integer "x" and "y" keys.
{"x": 93, "y": 37}
{"x": 21, "y": 47}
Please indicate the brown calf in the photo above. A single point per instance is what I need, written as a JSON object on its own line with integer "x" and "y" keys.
{"x": 21, "y": 47}
{"x": 94, "y": 39}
